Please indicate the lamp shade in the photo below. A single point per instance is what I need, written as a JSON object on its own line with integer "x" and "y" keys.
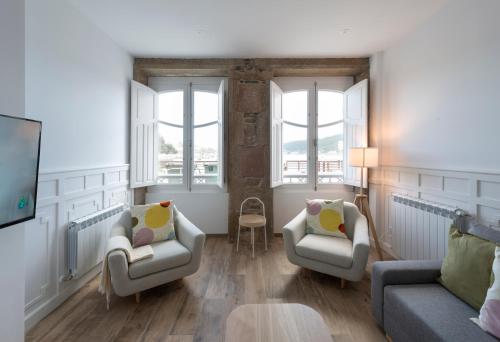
{"x": 363, "y": 156}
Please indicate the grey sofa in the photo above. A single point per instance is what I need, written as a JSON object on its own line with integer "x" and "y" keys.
{"x": 172, "y": 259}
{"x": 343, "y": 258}
{"x": 410, "y": 305}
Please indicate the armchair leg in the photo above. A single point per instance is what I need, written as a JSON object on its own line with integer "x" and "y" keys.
{"x": 342, "y": 283}
{"x": 138, "y": 297}
{"x": 253, "y": 244}
{"x": 265, "y": 236}
{"x": 238, "y": 239}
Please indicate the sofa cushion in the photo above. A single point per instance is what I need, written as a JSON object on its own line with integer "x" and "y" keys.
{"x": 325, "y": 217}
{"x": 466, "y": 269}
{"x": 152, "y": 223}
{"x": 167, "y": 255}
{"x": 328, "y": 249}
{"x": 428, "y": 312}
{"x": 489, "y": 316}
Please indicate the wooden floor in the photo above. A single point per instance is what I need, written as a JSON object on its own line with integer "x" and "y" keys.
{"x": 196, "y": 307}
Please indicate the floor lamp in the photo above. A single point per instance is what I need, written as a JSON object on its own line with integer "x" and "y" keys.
{"x": 365, "y": 157}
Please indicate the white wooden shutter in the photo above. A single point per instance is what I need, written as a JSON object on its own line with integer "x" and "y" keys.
{"x": 355, "y": 128}
{"x": 143, "y": 135}
{"x": 221, "y": 167}
{"x": 276, "y": 135}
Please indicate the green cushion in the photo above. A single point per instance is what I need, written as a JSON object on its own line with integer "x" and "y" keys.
{"x": 466, "y": 269}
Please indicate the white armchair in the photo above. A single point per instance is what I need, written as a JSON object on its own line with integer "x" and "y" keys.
{"x": 343, "y": 258}
{"x": 173, "y": 259}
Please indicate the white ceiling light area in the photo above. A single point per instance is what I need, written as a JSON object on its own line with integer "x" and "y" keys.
{"x": 256, "y": 28}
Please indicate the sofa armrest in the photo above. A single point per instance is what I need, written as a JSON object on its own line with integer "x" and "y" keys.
{"x": 118, "y": 263}
{"x": 118, "y": 229}
{"x": 188, "y": 234}
{"x": 399, "y": 272}
{"x": 361, "y": 246}
{"x": 295, "y": 230}
{"x": 117, "y": 259}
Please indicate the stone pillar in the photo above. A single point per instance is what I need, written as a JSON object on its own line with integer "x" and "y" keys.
{"x": 248, "y": 142}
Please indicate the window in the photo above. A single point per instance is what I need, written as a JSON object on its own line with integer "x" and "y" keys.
{"x": 190, "y": 139}
{"x": 330, "y": 136}
{"x": 312, "y": 125}
{"x": 295, "y": 142}
{"x": 171, "y": 132}
{"x": 205, "y": 137}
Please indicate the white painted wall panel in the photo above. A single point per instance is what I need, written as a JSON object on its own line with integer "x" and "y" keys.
{"x": 46, "y": 237}
{"x": 404, "y": 235}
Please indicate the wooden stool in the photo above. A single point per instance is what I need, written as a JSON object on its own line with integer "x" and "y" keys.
{"x": 252, "y": 221}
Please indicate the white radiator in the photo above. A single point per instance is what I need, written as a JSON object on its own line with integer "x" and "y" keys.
{"x": 87, "y": 237}
{"x": 420, "y": 228}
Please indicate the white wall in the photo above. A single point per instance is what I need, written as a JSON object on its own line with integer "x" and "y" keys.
{"x": 434, "y": 114}
{"x": 77, "y": 83}
{"x": 12, "y": 102}
{"x": 440, "y": 91}
{"x": 208, "y": 211}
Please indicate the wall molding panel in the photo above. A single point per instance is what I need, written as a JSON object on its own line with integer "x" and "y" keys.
{"x": 478, "y": 193}
{"x": 62, "y": 197}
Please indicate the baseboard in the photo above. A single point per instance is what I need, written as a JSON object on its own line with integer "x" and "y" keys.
{"x": 41, "y": 312}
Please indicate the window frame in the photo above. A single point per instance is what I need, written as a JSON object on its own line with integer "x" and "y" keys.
{"x": 313, "y": 85}
{"x": 189, "y": 85}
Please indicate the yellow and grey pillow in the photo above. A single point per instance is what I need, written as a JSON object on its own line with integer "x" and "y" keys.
{"x": 325, "y": 217}
{"x": 152, "y": 223}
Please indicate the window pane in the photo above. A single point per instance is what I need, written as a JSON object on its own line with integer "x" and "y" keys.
{"x": 330, "y": 154}
{"x": 330, "y": 106}
{"x": 294, "y": 154}
{"x": 206, "y": 155}
{"x": 171, "y": 107}
{"x": 206, "y": 107}
{"x": 295, "y": 107}
{"x": 170, "y": 154}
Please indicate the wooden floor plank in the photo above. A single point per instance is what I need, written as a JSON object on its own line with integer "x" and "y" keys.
{"x": 178, "y": 338}
{"x": 196, "y": 307}
{"x": 162, "y": 323}
{"x": 54, "y": 319}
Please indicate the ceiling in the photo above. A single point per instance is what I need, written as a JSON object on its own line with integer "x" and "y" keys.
{"x": 256, "y": 28}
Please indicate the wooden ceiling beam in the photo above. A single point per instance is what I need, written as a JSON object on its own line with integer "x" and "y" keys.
{"x": 227, "y": 66}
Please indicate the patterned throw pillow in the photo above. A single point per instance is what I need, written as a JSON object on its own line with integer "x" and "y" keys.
{"x": 489, "y": 315}
{"x": 152, "y": 223}
{"x": 325, "y": 217}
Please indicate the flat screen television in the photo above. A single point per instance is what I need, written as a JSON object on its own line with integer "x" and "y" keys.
{"x": 19, "y": 161}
